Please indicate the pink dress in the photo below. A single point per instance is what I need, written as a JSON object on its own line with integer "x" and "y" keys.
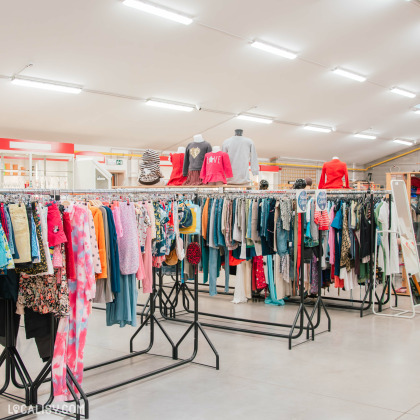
{"x": 71, "y": 335}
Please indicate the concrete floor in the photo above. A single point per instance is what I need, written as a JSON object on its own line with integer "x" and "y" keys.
{"x": 366, "y": 368}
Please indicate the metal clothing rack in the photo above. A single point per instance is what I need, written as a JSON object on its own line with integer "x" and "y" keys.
{"x": 32, "y": 390}
{"x": 366, "y": 303}
{"x": 303, "y": 322}
{"x": 13, "y": 362}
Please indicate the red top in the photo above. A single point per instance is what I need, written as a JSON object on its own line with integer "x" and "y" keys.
{"x": 216, "y": 168}
{"x": 177, "y": 160}
{"x": 332, "y": 175}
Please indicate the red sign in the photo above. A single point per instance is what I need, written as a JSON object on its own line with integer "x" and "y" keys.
{"x": 36, "y": 146}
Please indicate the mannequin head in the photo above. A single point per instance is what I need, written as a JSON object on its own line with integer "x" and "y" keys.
{"x": 216, "y": 149}
{"x": 181, "y": 149}
{"x": 239, "y": 132}
{"x": 198, "y": 138}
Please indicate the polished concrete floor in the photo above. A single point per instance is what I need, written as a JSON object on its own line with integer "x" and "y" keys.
{"x": 366, "y": 368}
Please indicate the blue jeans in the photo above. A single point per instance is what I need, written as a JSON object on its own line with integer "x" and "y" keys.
{"x": 282, "y": 236}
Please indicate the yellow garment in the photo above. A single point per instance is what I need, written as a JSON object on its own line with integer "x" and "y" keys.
{"x": 193, "y": 226}
{"x": 100, "y": 238}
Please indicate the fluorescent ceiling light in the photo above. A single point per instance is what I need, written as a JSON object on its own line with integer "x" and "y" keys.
{"x": 317, "y": 128}
{"x": 254, "y": 119}
{"x": 46, "y": 84}
{"x": 365, "y": 136}
{"x": 405, "y": 142}
{"x": 170, "y": 105}
{"x": 403, "y": 92}
{"x": 274, "y": 50}
{"x": 158, "y": 11}
{"x": 349, "y": 74}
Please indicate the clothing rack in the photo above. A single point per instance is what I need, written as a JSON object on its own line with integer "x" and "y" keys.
{"x": 303, "y": 322}
{"x": 367, "y": 301}
{"x": 13, "y": 362}
{"x": 168, "y": 304}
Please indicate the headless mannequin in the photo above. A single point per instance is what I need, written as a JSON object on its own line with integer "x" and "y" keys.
{"x": 177, "y": 160}
{"x": 241, "y": 151}
{"x": 332, "y": 175}
{"x": 194, "y": 158}
{"x": 216, "y": 149}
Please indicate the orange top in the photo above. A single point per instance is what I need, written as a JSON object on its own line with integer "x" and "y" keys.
{"x": 100, "y": 237}
{"x": 204, "y": 219}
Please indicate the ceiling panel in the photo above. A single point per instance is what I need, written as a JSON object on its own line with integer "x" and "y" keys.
{"x": 108, "y": 47}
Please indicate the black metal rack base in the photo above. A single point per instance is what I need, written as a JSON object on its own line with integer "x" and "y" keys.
{"x": 14, "y": 363}
{"x": 303, "y": 321}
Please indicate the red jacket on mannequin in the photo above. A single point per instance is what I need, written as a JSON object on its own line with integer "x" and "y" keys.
{"x": 332, "y": 175}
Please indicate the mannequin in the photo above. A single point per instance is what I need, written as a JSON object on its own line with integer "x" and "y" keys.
{"x": 241, "y": 150}
{"x": 332, "y": 175}
{"x": 177, "y": 160}
{"x": 216, "y": 167}
{"x": 193, "y": 160}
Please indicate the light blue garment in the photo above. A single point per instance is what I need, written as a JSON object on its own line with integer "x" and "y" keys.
{"x": 11, "y": 232}
{"x": 34, "y": 241}
{"x": 249, "y": 229}
{"x": 272, "y": 299}
{"x": 123, "y": 310}
{"x": 214, "y": 265}
{"x": 281, "y": 237}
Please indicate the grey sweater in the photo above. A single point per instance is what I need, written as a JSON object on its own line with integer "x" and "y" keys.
{"x": 241, "y": 150}
{"x": 194, "y": 156}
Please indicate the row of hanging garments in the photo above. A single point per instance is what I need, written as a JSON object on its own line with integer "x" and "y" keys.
{"x": 259, "y": 241}
{"x": 57, "y": 258}
{"x": 348, "y": 244}
{"x": 254, "y": 239}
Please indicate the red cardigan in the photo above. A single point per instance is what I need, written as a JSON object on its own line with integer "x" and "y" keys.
{"x": 332, "y": 175}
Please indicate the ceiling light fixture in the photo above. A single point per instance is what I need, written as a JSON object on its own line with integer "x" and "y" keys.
{"x": 170, "y": 105}
{"x": 317, "y": 128}
{"x": 349, "y": 74}
{"x": 365, "y": 136}
{"x": 274, "y": 50}
{"x": 405, "y": 142}
{"x": 403, "y": 92}
{"x": 252, "y": 118}
{"x": 158, "y": 11}
{"x": 46, "y": 84}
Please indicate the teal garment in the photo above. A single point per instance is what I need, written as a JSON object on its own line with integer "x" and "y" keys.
{"x": 227, "y": 269}
{"x": 123, "y": 310}
{"x": 249, "y": 227}
{"x": 272, "y": 299}
{"x": 205, "y": 260}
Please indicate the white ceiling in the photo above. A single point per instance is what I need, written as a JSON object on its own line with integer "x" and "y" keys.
{"x": 105, "y": 46}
